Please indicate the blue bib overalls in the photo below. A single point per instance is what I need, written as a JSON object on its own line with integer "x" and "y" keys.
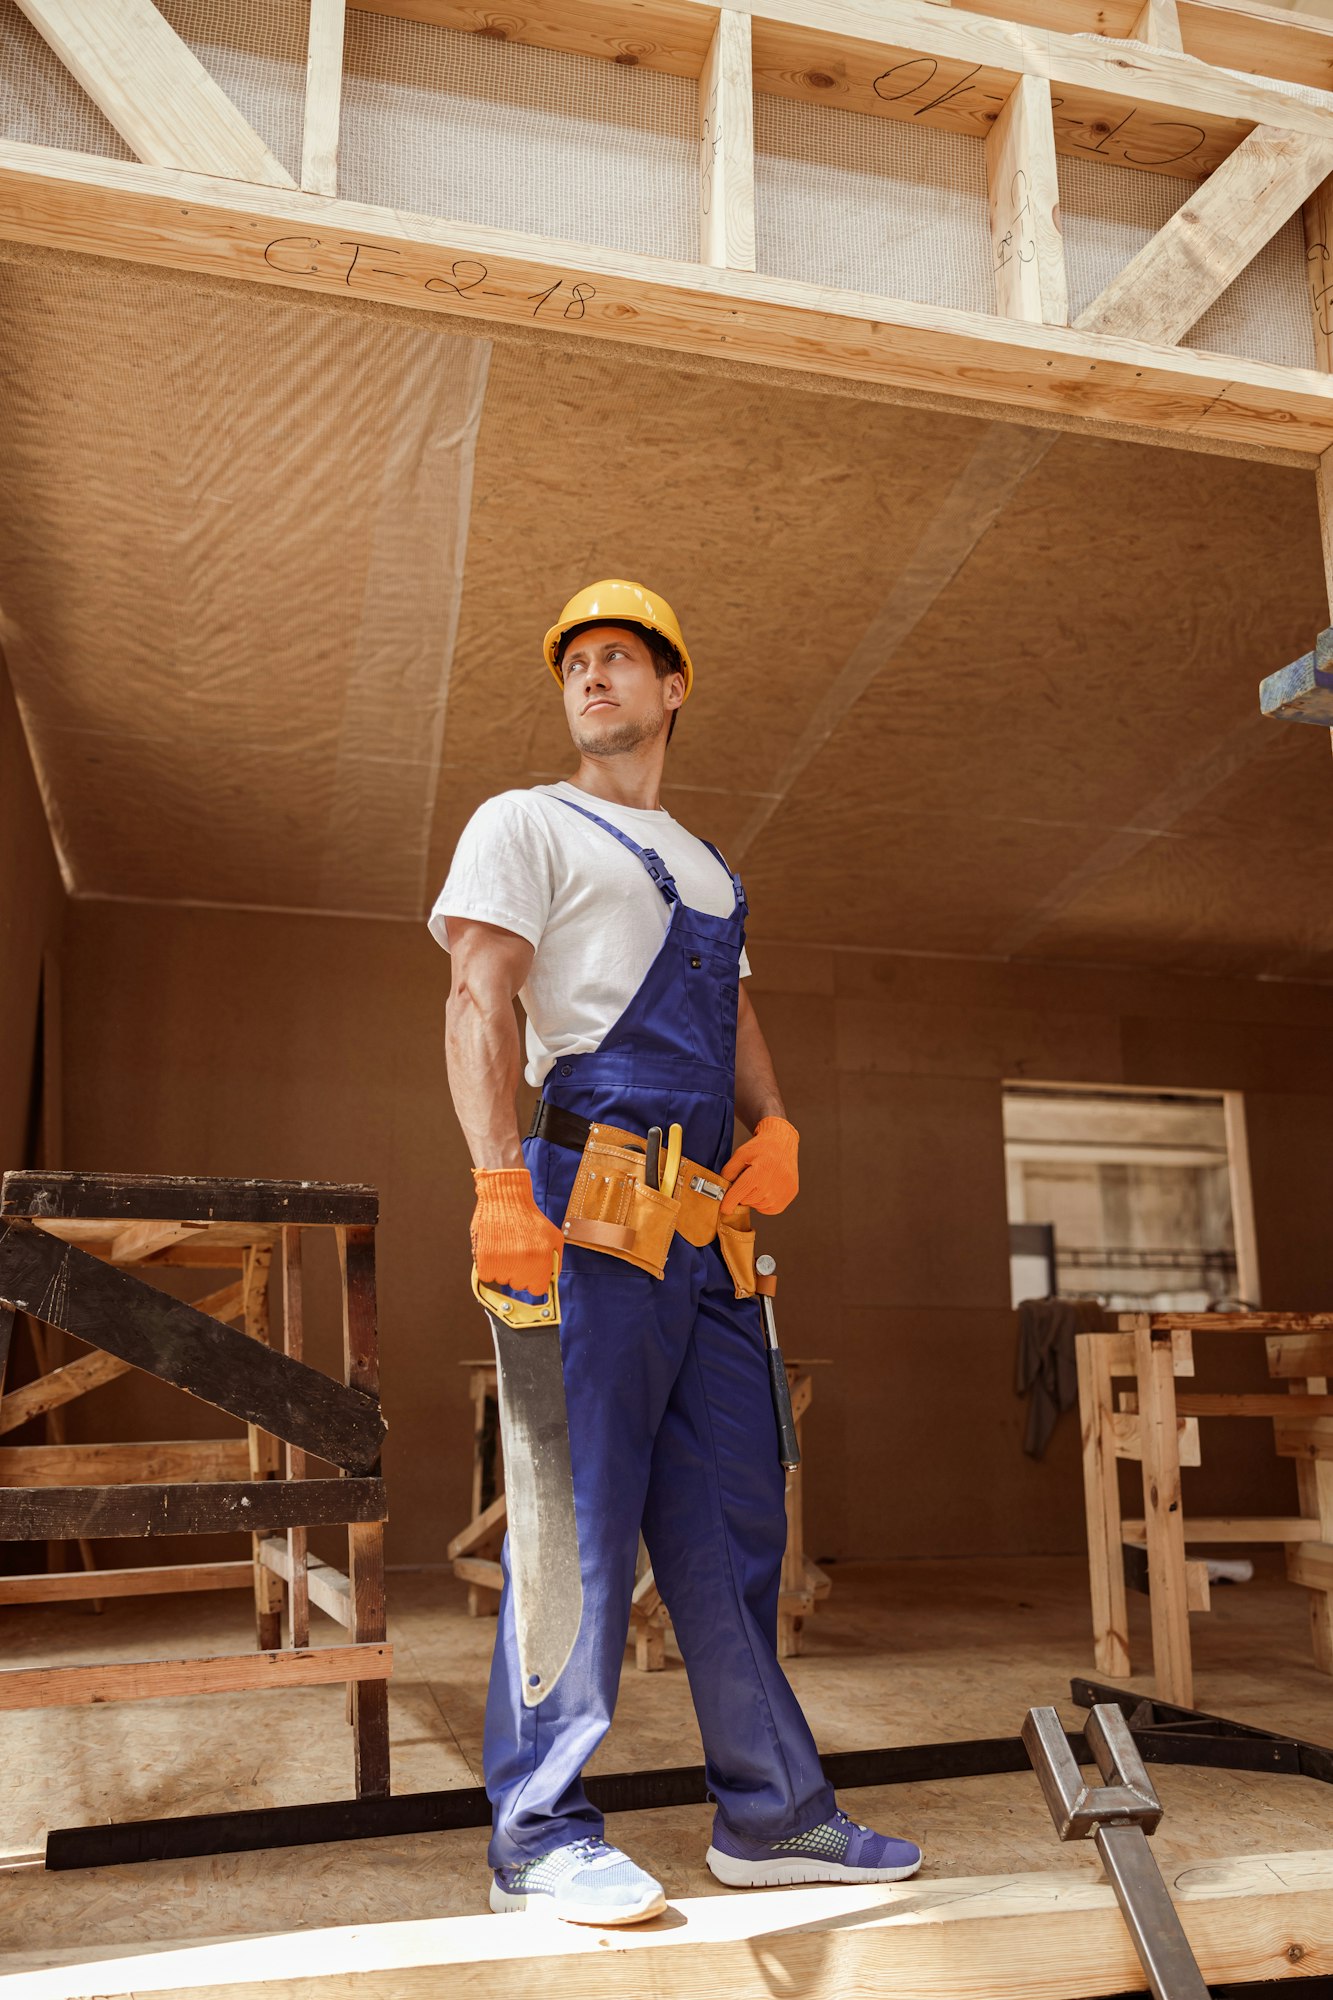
{"x": 671, "y": 1426}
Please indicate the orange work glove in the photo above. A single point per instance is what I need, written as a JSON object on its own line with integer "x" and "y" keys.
{"x": 763, "y": 1171}
{"x": 513, "y": 1244}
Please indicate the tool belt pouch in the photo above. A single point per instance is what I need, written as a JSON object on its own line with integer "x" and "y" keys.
{"x": 735, "y": 1239}
{"x": 612, "y": 1209}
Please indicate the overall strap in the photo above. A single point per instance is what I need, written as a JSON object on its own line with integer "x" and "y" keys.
{"x": 652, "y": 861}
{"x": 737, "y": 889}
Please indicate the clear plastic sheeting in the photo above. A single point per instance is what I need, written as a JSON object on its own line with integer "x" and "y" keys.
{"x": 871, "y": 205}
{"x": 1108, "y": 213}
{"x": 483, "y": 130}
{"x": 40, "y": 103}
{"x": 232, "y": 534}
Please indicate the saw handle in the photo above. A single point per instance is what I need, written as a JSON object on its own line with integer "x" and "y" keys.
{"x": 523, "y": 1313}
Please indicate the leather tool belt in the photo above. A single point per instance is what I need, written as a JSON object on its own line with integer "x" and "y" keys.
{"x": 612, "y": 1207}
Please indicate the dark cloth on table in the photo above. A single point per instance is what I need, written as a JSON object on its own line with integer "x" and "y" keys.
{"x": 1047, "y": 1372}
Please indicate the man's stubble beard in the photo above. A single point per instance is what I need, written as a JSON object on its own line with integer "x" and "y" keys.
{"x": 615, "y": 742}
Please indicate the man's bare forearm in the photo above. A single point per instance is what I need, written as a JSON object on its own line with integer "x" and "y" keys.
{"x": 757, "y": 1093}
{"x": 483, "y": 1057}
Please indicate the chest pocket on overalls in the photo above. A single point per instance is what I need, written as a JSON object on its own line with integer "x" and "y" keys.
{"x": 711, "y": 980}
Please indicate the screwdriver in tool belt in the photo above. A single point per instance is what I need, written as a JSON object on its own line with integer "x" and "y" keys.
{"x": 789, "y": 1451}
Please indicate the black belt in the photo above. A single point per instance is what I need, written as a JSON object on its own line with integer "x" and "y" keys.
{"x": 559, "y": 1128}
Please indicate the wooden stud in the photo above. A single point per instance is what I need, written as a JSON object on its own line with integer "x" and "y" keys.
{"x": 1317, "y": 216}
{"x": 139, "y": 1242}
{"x": 1101, "y": 1495}
{"x": 39, "y": 1514}
{"x": 1209, "y": 241}
{"x": 43, "y": 1340}
{"x": 262, "y": 1448}
{"x": 1242, "y": 1197}
{"x": 1303, "y": 1355}
{"x": 1229, "y": 1405}
{"x": 122, "y": 1315}
{"x": 7, "y": 1317}
{"x": 1158, "y": 25}
{"x": 152, "y": 87}
{"x": 365, "y": 1543}
{"x": 323, "y": 97}
{"x": 147, "y": 1680}
{"x": 1127, "y": 1437}
{"x": 486, "y": 1529}
{"x": 1163, "y": 1516}
{"x": 293, "y": 1344}
{"x": 1028, "y": 255}
{"x": 726, "y": 147}
{"x": 62, "y": 1586}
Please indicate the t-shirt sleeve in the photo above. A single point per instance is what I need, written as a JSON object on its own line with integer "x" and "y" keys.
{"x": 501, "y": 872}
{"x": 745, "y": 963}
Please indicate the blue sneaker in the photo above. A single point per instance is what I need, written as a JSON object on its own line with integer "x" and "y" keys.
{"x": 837, "y": 1850}
{"x": 586, "y": 1882}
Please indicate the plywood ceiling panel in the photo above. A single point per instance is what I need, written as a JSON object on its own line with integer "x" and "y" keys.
{"x": 273, "y": 580}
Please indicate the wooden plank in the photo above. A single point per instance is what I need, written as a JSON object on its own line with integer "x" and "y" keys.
{"x": 263, "y": 1449}
{"x": 365, "y": 1541}
{"x": 178, "y": 1198}
{"x": 479, "y": 1570}
{"x": 293, "y": 1343}
{"x": 259, "y": 1506}
{"x": 123, "y": 1464}
{"x": 154, "y": 1680}
{"x": 1245, "y": 1406}
{"x": 1198, "y": 1594}
{"x": 1101, "y": 1494}
{"x": 122, "y": 1315}
{"x": 1299, "y": 1354}
{"x": 1211, "y": 239}
{"x": 323, "y": 97}
{"x": 1162, "y": 1515}
{"x": 1023, "y": 1935}
{"x": 1028, "y": 256}
{"x": 152, "y": 87}
{"x": 1263, "y": 1528}
{"x": 115, "y": 208}
{"x": 7, "y": 1317}
{"x": 489, "y": 1526}
{"x": 1311, "y": 1565}
{"x": 669, "y": 36}
{"x": 1127, "y": 1436}
{"x": 327, "y": 1588}
{"x": 1242, "y": 1197}
{"x": 137, "y": 1242}
{"x": 1158, "y": 24}
{"x": 1305, "y": 1437}
{"x": 1256, "y": 1322}
{"x": 1120, "y": 1359}
{"x": 58, "y": 1587}
{"x": 726, "y": 147}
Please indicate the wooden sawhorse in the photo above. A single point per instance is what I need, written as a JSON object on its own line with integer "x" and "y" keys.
{"x": 70, "y": 1245}
{"x": 475, "y": 1550}
{"x": 1150, "y": 1421}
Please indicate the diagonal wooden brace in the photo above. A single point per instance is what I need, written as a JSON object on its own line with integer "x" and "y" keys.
{"x": 122, "y": 1315}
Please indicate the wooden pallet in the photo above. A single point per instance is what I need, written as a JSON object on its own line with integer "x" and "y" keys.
{"x": 1156, "y": 1425}
{"x": 475, "y": 1549}
{"x": 71, "y": 1248}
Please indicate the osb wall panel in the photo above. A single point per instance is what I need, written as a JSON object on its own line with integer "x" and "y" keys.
{"x": 223, "y": 1042}
{"x": 32, "y": 908}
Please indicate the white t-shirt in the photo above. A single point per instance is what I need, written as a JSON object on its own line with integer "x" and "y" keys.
{"x": 528, "y": 864}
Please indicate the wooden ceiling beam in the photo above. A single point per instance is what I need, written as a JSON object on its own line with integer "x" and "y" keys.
{"x": 152, "y": 87}
{"x": 323, "y": 97}
{"x": 1209, "y": 241}
{"x": 79, "y": 202}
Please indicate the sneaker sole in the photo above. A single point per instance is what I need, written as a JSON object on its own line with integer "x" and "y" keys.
{"x": 503, "y": 1901}
{"x": 795, "y": 1869}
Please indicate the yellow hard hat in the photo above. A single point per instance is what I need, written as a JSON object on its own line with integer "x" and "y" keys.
{"x": 615, "y": 602}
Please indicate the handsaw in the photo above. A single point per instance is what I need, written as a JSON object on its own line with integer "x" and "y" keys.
{"x": 544, "y": 1570}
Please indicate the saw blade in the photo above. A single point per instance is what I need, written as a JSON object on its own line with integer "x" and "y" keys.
{"x": 544, "y": 1570}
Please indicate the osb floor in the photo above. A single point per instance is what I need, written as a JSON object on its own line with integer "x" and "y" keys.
{"x": 903, "y": 1652}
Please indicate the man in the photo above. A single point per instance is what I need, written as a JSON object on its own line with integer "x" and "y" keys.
{"x": 623, "y": 936}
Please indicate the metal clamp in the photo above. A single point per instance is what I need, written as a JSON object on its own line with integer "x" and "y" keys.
{"x": 1117, "y": 1815}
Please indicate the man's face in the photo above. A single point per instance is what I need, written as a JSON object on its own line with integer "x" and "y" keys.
{"x": 613, "y": 698}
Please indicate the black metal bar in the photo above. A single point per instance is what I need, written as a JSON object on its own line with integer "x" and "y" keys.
{"x": 1168, "y": 1734}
